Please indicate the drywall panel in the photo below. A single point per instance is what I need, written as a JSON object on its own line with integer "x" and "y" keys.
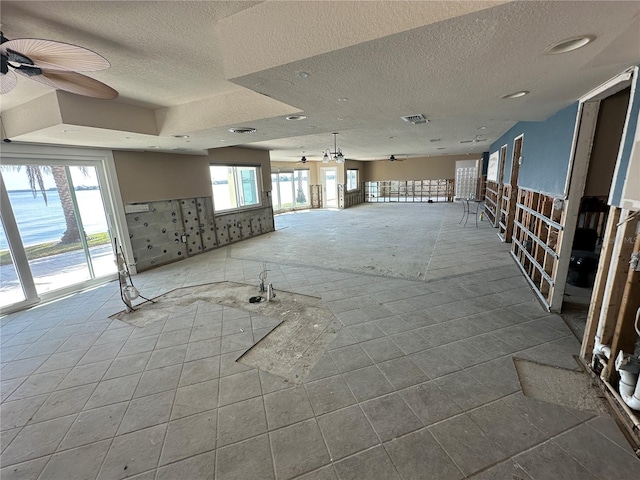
{"x": 606, "y": 143}
{"x": 546, "y": 151}
{"x": 423, "y": 168}
{"x": 148, "y": 176}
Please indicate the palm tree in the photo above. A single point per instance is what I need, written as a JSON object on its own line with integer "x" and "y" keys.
{"x": 59, "y": 173}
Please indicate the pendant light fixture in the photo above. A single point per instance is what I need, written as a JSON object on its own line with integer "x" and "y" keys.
{"x": 336, "y": 154}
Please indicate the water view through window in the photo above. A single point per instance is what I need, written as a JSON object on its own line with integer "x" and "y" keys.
{"x": 60, "y": 217}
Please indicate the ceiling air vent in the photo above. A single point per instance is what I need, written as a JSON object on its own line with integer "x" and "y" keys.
{"x": 415, "y": 119}
{"x": 242, "y": 130}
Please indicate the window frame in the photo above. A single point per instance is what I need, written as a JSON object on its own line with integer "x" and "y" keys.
{"x": 356, "y": 181}
{"x": 235, "y": 174}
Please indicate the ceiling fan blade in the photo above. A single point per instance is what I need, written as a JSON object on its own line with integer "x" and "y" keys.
{"x": 56, "y": 55}
{"x": 7, "y": 82}
{"x": 74, "y": 83}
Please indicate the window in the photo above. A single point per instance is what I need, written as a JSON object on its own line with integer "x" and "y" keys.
{"x": 234, "y": 187}
{"x": 352, "y": 179}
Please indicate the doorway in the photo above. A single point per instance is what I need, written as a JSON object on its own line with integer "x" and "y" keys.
{"x": 603, "y": 121}
{"x": 56, "y": 234}
{"x": 329, "y": 179}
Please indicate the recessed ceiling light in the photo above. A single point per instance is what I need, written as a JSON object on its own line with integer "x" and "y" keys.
{"x": 154, "y": 147}
{"x": 243, "y": 130}
{"x": 482, "y": 127}
{"x": 519, "y": 94}
{"x": 295, "y": 117}
{"x": 342, "y": 99}
{"x": 181, "y": 136}
{"x": 303, "y": 75}
{"x": 570, "y": 44}
{"x": 222, "y": 140}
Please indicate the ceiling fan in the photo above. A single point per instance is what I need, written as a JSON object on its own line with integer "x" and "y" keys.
{"x": 303, "y": 160}
{"x": 54, "y": 64}
{"x": 393, "y": 158}
{"x": 476, "y": 139}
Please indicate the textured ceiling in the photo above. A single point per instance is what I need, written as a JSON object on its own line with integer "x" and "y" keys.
{"x": 201, "y": 67}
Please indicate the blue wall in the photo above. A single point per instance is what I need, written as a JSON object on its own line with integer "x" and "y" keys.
{"x": 627, "y": 145}
{"x": 546, "y": 151}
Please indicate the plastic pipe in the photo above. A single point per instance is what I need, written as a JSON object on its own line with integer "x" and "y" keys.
{"x": 628, "y": 366}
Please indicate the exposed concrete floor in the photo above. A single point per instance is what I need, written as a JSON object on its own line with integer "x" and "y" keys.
{"x": 420, "y": 382}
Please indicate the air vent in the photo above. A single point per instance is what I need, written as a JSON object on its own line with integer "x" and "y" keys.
{"x": 242, "y": 130}
{"x": 415, "y": 119}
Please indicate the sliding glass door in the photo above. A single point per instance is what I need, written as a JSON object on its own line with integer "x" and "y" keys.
{"x": 55, "y": 231}
{"x": 290, "y": 189}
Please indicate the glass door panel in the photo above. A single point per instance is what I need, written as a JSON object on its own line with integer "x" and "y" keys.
{"x": 285, "y": 181}
{"x": 11, "y": 290}
{"x": 275, "y": 192}
{"x": 330, "y": 185}
{"x": 59, "y": 214}
{"x": 93, "y": 219}
{"x": 302, "y": 188}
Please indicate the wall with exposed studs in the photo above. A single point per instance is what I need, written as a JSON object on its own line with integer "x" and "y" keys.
{"x": 170, "y": 230}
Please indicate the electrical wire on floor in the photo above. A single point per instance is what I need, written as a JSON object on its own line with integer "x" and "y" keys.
{"x": 128, "y": 292}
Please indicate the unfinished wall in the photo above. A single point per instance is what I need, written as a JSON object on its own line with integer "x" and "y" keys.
{"x": 606, "y": 143}
{"x": 169, "y": 206}
{"x": 411, "y": 168}
{"x": 546, "y": 151}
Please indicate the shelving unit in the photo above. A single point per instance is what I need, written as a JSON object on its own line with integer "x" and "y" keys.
{"x": 410, "y": 191}
{"x": 491, "y": 202}
{"x": 537, "y": 226}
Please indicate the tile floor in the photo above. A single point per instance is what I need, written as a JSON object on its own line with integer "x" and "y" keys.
{"x": 419, "y": 383}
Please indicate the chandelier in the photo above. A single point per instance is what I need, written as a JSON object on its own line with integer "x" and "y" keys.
{"x": 335, "y": 155}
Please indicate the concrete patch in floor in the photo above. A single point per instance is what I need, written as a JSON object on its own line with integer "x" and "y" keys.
{"x": 293, "y": 347}
{"x": 290, "y": 350}
{"x": 569, "y": 388}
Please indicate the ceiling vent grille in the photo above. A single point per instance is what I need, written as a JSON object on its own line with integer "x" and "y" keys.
{"x": 415, "y": 119}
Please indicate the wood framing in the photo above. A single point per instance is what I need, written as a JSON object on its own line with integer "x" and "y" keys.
{"x": 624, "y": 334}
{"x": 537, "y": 226}
{"x": 509, "y": 191}
{"x": 597, "y": 297}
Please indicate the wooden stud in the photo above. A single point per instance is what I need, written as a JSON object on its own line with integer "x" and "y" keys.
{"x": 616, "y": 278}
{"x": 593, "y": 317}
{"x": 624, "y": 335}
